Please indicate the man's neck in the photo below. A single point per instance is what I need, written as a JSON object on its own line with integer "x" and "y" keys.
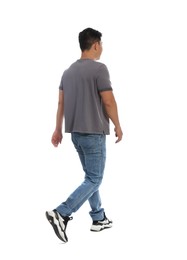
{"x": 87, "y": 55}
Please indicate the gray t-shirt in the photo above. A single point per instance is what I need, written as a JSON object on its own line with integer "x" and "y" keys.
{"x": 83, "y": 108}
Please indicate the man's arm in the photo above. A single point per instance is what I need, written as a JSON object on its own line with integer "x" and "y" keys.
{"x": 57, "y": 135}
{"x": 112, "y": 112}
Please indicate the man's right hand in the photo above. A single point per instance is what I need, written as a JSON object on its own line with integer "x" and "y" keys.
{"x": 56, "y": 138}
{"x": 119, "y": 134}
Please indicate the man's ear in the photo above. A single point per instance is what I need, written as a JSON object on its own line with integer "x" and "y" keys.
{"x": 95, "y": 46}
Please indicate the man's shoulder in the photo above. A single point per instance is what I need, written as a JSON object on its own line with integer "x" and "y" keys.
{"x": 68, "y": 68}
{"x": 92, "y": 65}
{"x": 100, "y": 64}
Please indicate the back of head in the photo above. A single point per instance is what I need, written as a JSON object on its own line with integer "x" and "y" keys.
{"x": 88, "y": 37}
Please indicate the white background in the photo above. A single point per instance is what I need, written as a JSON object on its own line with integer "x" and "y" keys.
{"x": 144, "y": 190}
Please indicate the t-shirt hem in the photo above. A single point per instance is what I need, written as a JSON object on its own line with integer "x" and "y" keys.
{"x": 106, "y": 89}
{"x": 88, "y": 132}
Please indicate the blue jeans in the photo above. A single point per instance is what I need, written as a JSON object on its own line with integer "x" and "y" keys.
{"x": 91, "y": 149}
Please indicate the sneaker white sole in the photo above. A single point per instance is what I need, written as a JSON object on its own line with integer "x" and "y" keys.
{"x": 57, "y": 223}
{"x": 97, "y": 228}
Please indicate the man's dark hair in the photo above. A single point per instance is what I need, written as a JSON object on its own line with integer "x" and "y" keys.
{"x": 87, "y": 37}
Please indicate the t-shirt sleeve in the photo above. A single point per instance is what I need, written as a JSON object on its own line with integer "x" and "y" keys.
{"x": 103, "y": 79}
{"x": 61, "y": 84}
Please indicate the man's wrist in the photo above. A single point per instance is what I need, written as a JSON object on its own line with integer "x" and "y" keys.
{"x": 58, "y": 129}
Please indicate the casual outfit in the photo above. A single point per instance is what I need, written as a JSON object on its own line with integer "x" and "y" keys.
{"x": 88, "y": 123}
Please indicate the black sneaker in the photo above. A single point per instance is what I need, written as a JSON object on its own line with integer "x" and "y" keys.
{"x": 58, "y": 223}
{"x": 101, "y": 224}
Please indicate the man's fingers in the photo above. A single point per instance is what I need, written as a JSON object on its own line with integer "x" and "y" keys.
{"x": 118, "y": 140}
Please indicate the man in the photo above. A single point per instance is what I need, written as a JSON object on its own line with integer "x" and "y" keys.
{"x": 86, "y": 102}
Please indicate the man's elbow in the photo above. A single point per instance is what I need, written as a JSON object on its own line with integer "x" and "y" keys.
{"x": 109, "y": 103}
